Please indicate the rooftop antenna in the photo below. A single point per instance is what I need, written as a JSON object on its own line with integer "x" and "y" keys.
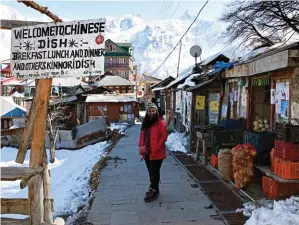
{"x": 196, "y": 51}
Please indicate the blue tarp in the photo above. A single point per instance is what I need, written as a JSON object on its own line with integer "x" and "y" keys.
{"x": 15, "y": 113}
{"x": 222, "y": 65}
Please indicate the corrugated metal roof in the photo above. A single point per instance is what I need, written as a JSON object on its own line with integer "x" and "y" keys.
{"x": 114, "y": 81}
{"x": 110, "y": 98}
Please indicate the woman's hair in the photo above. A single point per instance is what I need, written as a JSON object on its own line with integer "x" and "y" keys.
{"x": 147, "y": 122}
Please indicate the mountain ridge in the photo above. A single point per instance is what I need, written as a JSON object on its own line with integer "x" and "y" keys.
{"x": 152, "y": 40}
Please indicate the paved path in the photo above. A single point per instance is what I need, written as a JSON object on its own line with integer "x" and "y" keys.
{"x": 119, "y": 199}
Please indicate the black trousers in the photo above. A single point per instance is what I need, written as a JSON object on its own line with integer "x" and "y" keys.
{"x": 153, "y": 167}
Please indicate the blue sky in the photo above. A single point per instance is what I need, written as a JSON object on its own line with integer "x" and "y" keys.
{"x": 150, "y": 10}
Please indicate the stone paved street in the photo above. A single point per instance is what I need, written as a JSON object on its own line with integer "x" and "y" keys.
{"x": 119, "y": 199}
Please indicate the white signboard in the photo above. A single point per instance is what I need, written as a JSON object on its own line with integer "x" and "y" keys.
{"x": 70, "y": 49}
{"x": 178, "y": 100}
{"x": 269, "y": 63}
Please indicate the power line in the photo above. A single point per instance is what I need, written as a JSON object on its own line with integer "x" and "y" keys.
{"x": 168, "y": 8}
{"x": 178, "y": 68}
{"x": 162, "y": 13}
{"x": 182, "y": 36}
{"x": 175, "y": 9}
{"x": 164, "y": 8}
{"x": 161, "y": 10}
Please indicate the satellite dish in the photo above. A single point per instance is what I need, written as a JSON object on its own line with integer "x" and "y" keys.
{"x": 195, "y": 51}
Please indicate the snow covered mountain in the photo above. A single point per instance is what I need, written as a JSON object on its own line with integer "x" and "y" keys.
{"x": 152, "y": 40}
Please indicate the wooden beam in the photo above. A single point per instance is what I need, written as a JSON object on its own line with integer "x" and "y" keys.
{"x": 41, "y": 9}
{"x": 10, "y": 24}
{"x": 15, "y": 206}
{"x": 11, "y": 221}
{"x": 39, "y": 129}
{"x": 18, "y": 173}
{"x": 24, "y": 143}
{"x": 35, "y": 191}
{"x": 48, "y": 209}
{"x": 272, "y": 108}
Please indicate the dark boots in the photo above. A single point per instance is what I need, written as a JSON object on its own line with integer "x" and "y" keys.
{"x": 151, "y": 195}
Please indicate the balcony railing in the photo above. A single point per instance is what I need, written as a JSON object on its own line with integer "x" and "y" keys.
{"x": 117, "y": 65}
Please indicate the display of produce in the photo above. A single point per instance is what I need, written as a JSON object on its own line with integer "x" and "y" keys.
{"x": 242, "y": 164}
{"x": 225, "y": 164}
{"x": 260, "y": 125}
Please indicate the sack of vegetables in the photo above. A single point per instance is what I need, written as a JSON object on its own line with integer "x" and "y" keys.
{"x": 242, "y": 164}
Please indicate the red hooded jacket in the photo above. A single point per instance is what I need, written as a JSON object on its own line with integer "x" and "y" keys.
{"x": 158, "y": 137}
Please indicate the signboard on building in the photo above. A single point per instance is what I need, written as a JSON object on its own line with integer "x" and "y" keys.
{"x": 200, "y": 102}
{"x": 70, "y": 49}
{"x": 269, "y": 63}
{"x": 178, "y": 101}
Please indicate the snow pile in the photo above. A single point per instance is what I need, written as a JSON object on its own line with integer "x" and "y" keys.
{"x": 177, "y": 142}
{"x": 69, "y": 176}
{"x": 188, "y": 81}
{"x": 119, "y": 126}
{"x": 272, "y": 212}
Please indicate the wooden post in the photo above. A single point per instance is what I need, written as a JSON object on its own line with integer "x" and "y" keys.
{"x": 37, "y": 153}
{"x": 36, "y": 215}
{"x": 197, "y": 147}
{"x": 39, "y": 129}
{"x": 24, "y": 143}
{"x": 272, "y": 109}
{"x": 249, "y": 105}
{"x": 290, "y": 99}
{"x": 48, "y": 217}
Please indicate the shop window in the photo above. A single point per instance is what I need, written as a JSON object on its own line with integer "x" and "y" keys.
{"x": 261, "y": 106}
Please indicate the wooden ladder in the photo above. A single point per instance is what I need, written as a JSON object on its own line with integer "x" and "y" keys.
{"x": 33, "y": 205}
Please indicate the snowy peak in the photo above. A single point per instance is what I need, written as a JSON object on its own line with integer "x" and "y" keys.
{"x": 187, "y": 16}
{"x": 152, "y": 40}
{"x": 9, "y": 13}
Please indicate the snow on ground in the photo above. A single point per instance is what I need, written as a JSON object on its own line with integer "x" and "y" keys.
{"x": 177, "y": 142}
{"x": 267, "y": 212}
{"x": 69, "y": 176}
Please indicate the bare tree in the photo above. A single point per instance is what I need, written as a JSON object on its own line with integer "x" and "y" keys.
{"x": 260, "y": 23}
{"x": 57, "y": 114}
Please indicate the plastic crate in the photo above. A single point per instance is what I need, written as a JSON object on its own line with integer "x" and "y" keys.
{"x": 286, "y": 151}
{"x": 263, "y": 141}
{"x": 285, "y": 169}
{"x": 222, "y": 136}
{"x": 232, "y": 124}
{"x": 262, "y": 159}
{"x": 274, "y": 189}
{"x": 237, "y": 135}
{"x": 287, "y": 132}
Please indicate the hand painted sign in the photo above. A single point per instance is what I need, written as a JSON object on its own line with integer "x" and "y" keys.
{"x": 70, "y": 49}
{"x": 200, "y": 102}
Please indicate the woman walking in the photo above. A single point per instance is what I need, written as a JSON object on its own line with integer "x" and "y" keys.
{"x": 152, "y": 140}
